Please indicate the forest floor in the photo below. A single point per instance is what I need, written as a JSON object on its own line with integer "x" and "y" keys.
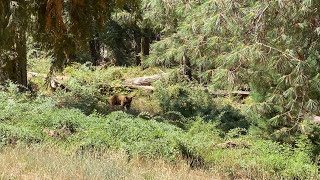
{"x": 40, "y": 163}
{"x": 73, "y": 134}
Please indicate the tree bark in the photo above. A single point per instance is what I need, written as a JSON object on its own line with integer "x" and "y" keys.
{"x": 95, "y": 48}
{"x": 145, "y": 43}
{"x": 6, "y": 63}
{"x": 7, "y": 68}
{"x": 14, "y": 60}
{"x": 137, "y": 47}
{"x": 21, "y": 61}
{"x": 145, "y": 46}
{"x": 187, "y": 70}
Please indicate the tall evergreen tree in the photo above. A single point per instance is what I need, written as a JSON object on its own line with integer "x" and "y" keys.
{"x": 271, "y": 46}
{"x": 57, "y": 25}
{"x": 13, "y": 52}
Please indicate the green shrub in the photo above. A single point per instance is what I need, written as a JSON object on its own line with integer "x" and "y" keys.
{"x": 198, "y": 142}
{"x": 135, "y": 135}
{"x": 231, "y": 118}
{"x": 10, "y": 134}
{"x": 184, "y": 98}
{"x": 263, "y": 160}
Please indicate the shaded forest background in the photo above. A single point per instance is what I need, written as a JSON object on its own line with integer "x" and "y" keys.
{"x": 269, "y": 48}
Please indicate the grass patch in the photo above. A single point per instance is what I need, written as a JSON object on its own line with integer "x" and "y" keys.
{"x": 39, "y": 162}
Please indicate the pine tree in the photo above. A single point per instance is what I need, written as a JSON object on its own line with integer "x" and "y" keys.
{"x": 57, "y": 25}
{"x": 270, "y": 46}
{"x": 13, "y": 52}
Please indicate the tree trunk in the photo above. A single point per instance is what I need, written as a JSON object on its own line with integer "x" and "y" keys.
{"x": 21, "y": 61}
{"x": 6, "y": 63}
{"x": 137, "y": 47}
{"x": 59, "y": 61}
{"x": 145, "y": 43}
{"x": 187, "y": 70}
{"x": 145, "y": 48}
{"x": 7, "y": 68}
{"x": 13, "y": 49}
{"x": 95, "y": 48}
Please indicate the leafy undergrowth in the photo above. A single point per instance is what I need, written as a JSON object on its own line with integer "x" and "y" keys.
{"x": 88, "y": 87}
{"x": 201, "y": 142}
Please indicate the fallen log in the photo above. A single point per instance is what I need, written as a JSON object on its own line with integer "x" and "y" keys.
{"x": 144, "y": 81}
{"x": 54, "y": 82}
{"x": 34, "y": 74}
{"x": 232, "y": 145}
{"x": 148, "y": 88}
{"x": 225, "y": 92}
{"x": 316, "y": 119}
{"x": 138, "y": 83}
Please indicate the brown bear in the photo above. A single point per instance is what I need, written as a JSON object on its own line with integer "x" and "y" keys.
{"x": 122, "y": 100}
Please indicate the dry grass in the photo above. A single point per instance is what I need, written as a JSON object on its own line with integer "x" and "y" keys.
{"x": 145, "y": 104}
{"x": 41, "y": 163}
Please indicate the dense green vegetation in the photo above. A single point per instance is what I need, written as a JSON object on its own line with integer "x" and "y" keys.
{"x": 222, "y": 140}
{"x": 60, "y": 61}
{"x": 26, "y": 121}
